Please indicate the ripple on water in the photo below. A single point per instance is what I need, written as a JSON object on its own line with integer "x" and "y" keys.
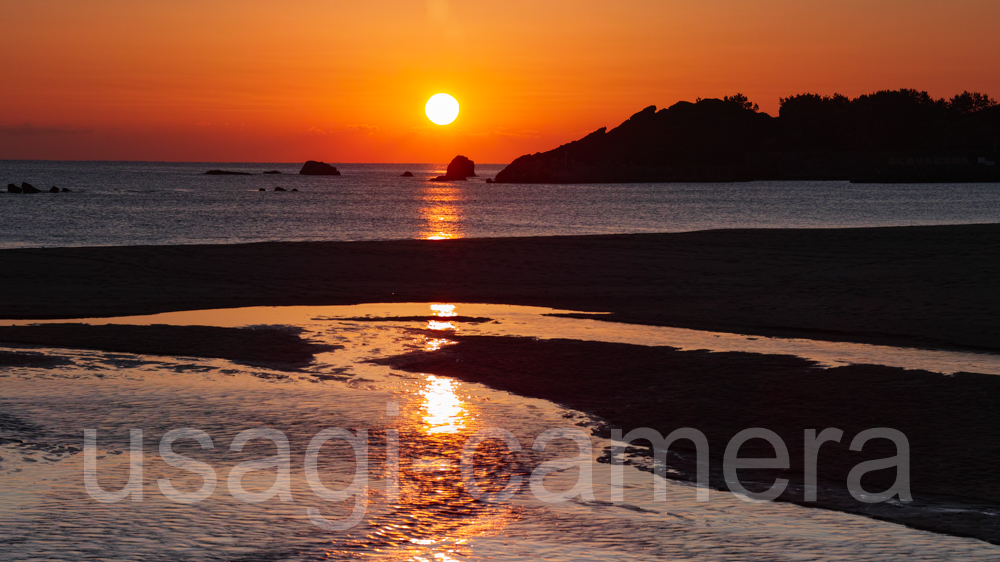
{"x": 45, "y": 512}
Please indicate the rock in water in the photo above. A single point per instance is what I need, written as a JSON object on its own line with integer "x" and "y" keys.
{"x": 54, "y": 189}
{"x": 314, "y": 168}
{"x": 65, "y": 190}
{"x": 407, "y": 175}
{"x": 462, "y": 166}
{"x": 11, "y": 188}
{"x": 273, "y": 172}
{"x": 293, "y": 189}
{"x": 28, "y": 188}
{"x": 280, "y": 189}
{"x": 262, "y": 189}
{"x": 459, "y": 169}
{"x": 225, "y": 173}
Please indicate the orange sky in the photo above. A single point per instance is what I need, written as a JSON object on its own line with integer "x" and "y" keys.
{"x": 254, "y": 80}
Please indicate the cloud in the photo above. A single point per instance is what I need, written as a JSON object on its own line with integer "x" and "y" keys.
{"x": 361, "y": 129}
{"x": 29, "y": 130}
{"x": 523, "y": 134}
{"x": 342, "y": 129}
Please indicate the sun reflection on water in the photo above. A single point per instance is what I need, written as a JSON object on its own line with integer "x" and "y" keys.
{"x": 436, "y": 344}
{"x": 444, "y": 410}
{"x": 435, "y": 517}
{"x": 441, "y": 215}
{"x": 443, "y": 310}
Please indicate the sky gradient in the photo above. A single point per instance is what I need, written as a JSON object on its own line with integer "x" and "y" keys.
{"x": 251, "y": 80}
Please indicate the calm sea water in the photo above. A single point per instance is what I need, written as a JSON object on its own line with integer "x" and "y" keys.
{"x": 142, "y": 203}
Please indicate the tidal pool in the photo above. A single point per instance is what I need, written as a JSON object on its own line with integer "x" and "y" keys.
{"x": 46, "y": 512}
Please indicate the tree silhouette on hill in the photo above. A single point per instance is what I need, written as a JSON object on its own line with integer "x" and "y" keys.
{"x": 966, "y": 102}
{"x": 738, "y": 99}
{"x": 888, "y": 135}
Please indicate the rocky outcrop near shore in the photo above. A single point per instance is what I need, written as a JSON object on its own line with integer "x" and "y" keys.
{"x": 459, "y": 169}
{"x": 888, "y": 136}
{"x": 28, "y": 188}
{"x": 314, "y": 168}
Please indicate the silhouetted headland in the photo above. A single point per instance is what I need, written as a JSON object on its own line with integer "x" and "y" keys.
{"x": 888, "y": 136}
{"x": 314, "y": 168}
{"x": 459, "y": 169}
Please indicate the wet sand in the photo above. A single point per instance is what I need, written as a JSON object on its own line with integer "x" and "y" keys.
{"x": 279, "y": 347}
{"x": 912, "y": 286}
{"x": 951, "y": 422}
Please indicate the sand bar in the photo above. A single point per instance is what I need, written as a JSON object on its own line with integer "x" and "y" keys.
{"x": 916, "y": 286}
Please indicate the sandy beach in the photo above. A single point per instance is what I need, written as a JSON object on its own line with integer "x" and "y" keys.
{"x": 949, "y": 421}
{"x": 911, "y": 286}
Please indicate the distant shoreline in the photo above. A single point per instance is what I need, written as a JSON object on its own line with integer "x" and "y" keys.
{"x": 248, "y": 162}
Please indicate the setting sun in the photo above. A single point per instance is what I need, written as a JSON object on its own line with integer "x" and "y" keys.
{"x": 441, "y": 109}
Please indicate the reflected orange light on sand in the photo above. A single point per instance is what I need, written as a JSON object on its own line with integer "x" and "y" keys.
{"x": 441, "y": 215}
{"x": 444, "y": 412}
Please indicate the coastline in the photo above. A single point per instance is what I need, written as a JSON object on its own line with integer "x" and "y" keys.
{"x": 907, "y": 286}
{"x": 929, "y": 286}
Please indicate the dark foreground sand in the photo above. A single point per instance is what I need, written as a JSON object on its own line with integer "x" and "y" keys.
{"x": 931, "y": 286}
{"x": 918, "y": 286}
{"x": 276, "y": 346}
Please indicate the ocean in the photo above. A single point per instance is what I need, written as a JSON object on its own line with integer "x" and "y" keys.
{"x": 49, "y": 396}
{"x": 151, "y": 203}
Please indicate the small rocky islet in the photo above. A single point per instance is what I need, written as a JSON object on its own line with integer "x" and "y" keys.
{"x": 26, "y": 187}
{"x": 460, "y": 169}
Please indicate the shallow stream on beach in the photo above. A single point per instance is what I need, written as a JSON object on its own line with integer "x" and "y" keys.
{"x": 45, "y": 511}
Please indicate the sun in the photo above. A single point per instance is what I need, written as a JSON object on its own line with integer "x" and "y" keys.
{"x": 441, "y": 109}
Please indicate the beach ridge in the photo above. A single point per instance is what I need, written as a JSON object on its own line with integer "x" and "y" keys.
{"x": 927, "y": 286}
